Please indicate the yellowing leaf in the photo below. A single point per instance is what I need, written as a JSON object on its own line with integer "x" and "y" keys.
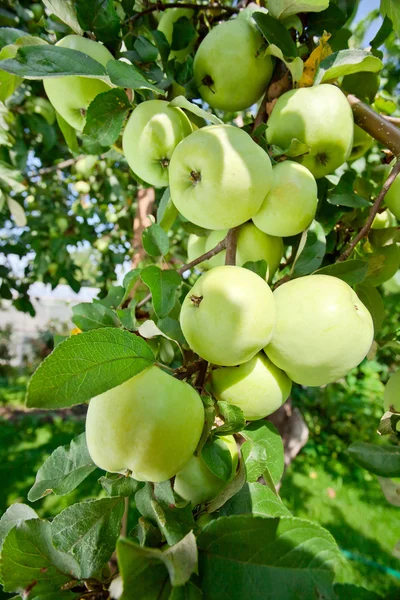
{"x": 316, "y": 57}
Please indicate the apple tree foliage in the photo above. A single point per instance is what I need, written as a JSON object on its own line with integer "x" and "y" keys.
{"x": 68, "y": 203}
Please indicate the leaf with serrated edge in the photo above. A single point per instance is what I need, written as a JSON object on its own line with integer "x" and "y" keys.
{"x": 163, "y": 285}
{"x": 64, "y": 10}
{"x": 257, "y": 499}
{"x": 265, "y": 433}
{"x": 86, "y": 365}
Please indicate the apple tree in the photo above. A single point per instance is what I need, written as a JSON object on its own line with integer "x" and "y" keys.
{"x": 244, "y": 159}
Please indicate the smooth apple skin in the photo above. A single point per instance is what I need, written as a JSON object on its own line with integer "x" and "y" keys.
{"x": 258, "y": 387}
{"x": 197, "y": 484}
{"x": 391, "y": 396}
{"x": 362, "y": 142}
{"x": 319, "y": 116}
{"x": 166, "y": 26}
{"x": 71, "y": 96}
{"x": 151, "y": 135}
{"x": 196, "y": 246}
{"x": 392, "y": 198}
{"x": 322, "y": 330}
{"x": 291, "y": 203}
{"x": 228, "y": 315}
{"x": 384, "y": 220}
{"x": 230, "y": 70}
{"x": 219, "y": 177}
{"x": 252, "y": 245}
{"x": 151, "y": 425}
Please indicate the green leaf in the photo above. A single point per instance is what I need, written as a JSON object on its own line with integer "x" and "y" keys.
{"x": 182, "y": 34}
{"x": 64, "y": 10}
{"x": 116, "y": 484}
{"x": 344, "y": 195}
{"x": 218, "y": 459}
{"x": 345, "y": 62}
{"x": 105, "y": 116}
{"x": 295, "y": 66}
{"x": 68, "y": 132}
{"x": 163, "y": 47}
{"x": 163, "y": 286}
{"x": 391, "y": 9}
{"x": 310, "y": 257}
{"x": 147, "y": 51}
{"x": 40, "y": 62}
{"x": 88, "y": 316}
{"x": 9, "y": 35}
{"x": 8, "y": 82}
{"x": 125, "y": 75}
{"x": 62, "y": 472}
{"x": 11, "y": 179}
{"x": 187, "y": 592}
{"x": 171, "y": 328}
{"x": 147, "y": 533}
{"x": 86, "y": 365}
{"x": 347, "y": 591}
{"x": 350, "y": 271}
{"x": 280, "y": 9}
{"x": 114, "y": 298}
{"x": 383, "y": 33}
{"x": 255, "y": 458}
{"x": 380, "y": 460}
{"x": 13, "y": 517}
{"x": 275, "y": 33}
{"x": 166, "y": 211}
{"x": 127, "y": 316}
{"x": 128, "y": 283}
{"x": 155, "y": 240}
{"x": 182, "y": 102}
{"x": 372, "y": 299}
{"x": 259, "y": 267}
{"x": 384, "y": 105}
{"x": 264, "y": 433}
{"x": 257, "y": 499}
{"x": 29, "y": 560}
{"x": 295, "y": 149}
{"x": 100, "y": 17}
{"x": 17, "y": 212}
{"x": 229, "y": 490}
{"x": 89, "y": 531}
{"x": 232, "y": 416}
{"x": 390, "y": 489}
{"x": 254, "y": 557}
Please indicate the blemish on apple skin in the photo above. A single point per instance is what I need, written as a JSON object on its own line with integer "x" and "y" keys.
{"x": 196, "y": 300}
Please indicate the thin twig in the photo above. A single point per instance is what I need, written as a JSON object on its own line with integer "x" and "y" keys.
{"x": 231, "y": 245}
{"x": 394, "y": 120}
{"x": 373, "y": 212}
{"x": 161, "y": 7}
{"x": 188, "y": 370}
{"x": 201, "y": 376}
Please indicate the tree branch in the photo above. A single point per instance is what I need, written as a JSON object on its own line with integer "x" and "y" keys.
{"x": 279, "y": 84}
{"x": 376, "y": 125}
{"x": 188, "y": 370}
{"x": 161, "y": 6}
{"x": 373, "y": 212}
{"x": 231, "y": 244}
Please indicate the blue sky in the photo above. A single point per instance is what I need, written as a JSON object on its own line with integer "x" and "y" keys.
{"x": 364, "y": 8}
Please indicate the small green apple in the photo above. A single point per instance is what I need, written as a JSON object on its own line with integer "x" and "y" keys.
{"x": 361, "y": 143}
{"x": 291, "y": 203}
{"x": 318, "y": 116}
{"x": 151, "y": 135}
{"x": 72, "y": 95}
{"x": 230, "y": 69}
{"x": 322, "y": 330}
{"x": 258, "y": 387}
{"x": 383, "y": 264}
{"x": 151, "y": 425}
{"x": 197, "y": 484}
{"x": 196, "y": 246}
{"x": 84, "y": 167}
{"x": 252, "y": 245}
{"x": 392, "y": 198}
{"x": 166, "y": 26}
{"x": 384, "y": 220}
{"x": 392, "y": 393}
{"x": 228, "y": 315}
{"x": 219, "y": 177}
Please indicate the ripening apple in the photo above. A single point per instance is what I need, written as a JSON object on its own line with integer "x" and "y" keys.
{"x": 322, "y": 330}
{"x": 196, "y": 246}
{"x": 361, "y": 143}
{"x": 383, "y": 263}
{"x": 219, "y": 177}
{"x": 151, "y": 134}
{"x": 151, "y": 425}
{"x": 318, "y": 116}
{"x": 197, "y": 484}
{"x": 258, "y": 387}
{"x": 291, "y": 203}
{"x": 392, "y": 198}
{"x": 228, "y": 315}
{"x": 72, "y": 95}
{"x": 230, "y": 69}
{"x": 391, "y": 396}
{"x": 252, "y": 245}
{"x": 166, "y": 26}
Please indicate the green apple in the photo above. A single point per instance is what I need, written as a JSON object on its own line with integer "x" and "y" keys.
{"x": 228, "y": 315}
{"x": 166, "y": 26}
{"x": 383, "y": 264}
{"x": 72, "y": 95}
{"x": 361, "y": 143}
{"x": 391, "y": 396}
{"x": 392, "y": 286}
{"x": 384, "y": 220}
{"x": 392, "y": 198}
{"x": 258, "y": 387}
{"x": 151, "y": 425}
{"x": 219, "y": 177}
{"x": 230, "y": 69}
{"x": 291, "y": 203}
{"x": 196, "y": 246}
{"x": 322, "y": 330}
{"x": 84, "y": 167}
{"x": 197, "y": 484}
{"x": 252, "y": 245}
{"x": 151, "y": 135}
{"x": 318, "y": 116}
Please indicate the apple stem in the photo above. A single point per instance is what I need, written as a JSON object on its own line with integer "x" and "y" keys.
{"x": 372, "y": 213}
{"x": 231, "y": 244}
